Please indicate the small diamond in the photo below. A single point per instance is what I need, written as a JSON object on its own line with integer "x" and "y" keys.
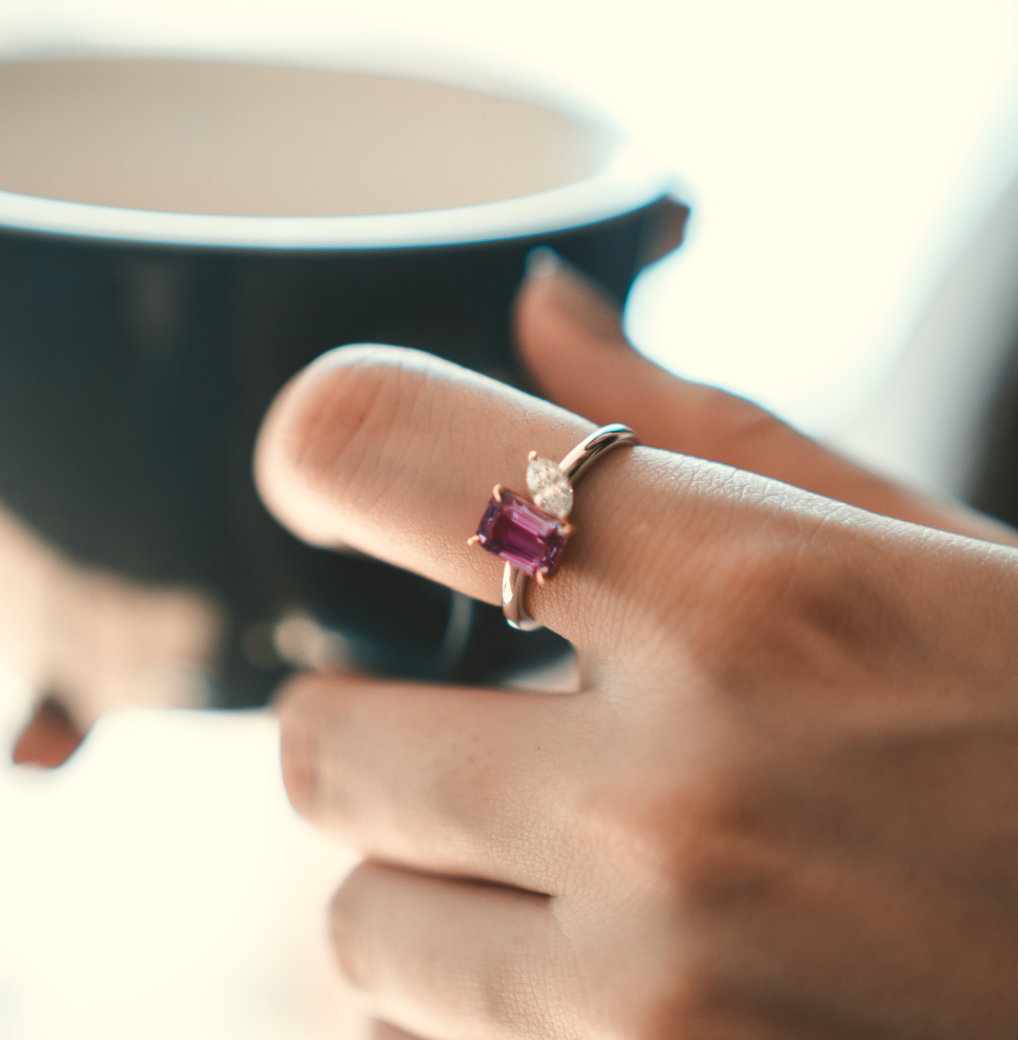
{"x": 550, "y": 487}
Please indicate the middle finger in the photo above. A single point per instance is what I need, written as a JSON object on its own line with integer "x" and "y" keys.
{"x": 444, "y": 779}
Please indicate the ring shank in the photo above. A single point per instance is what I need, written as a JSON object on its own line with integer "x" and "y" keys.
{"x": 514, "y": 591}
{"x": 574, "y": 465}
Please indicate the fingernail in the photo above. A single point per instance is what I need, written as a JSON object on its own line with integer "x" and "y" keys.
{"x": 542, "y": 262}
{"x": 576, "y": 296}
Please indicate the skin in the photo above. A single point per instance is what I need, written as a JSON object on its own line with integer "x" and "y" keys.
{"x": 783, "y": 800}
{"x": 92, "y": 640}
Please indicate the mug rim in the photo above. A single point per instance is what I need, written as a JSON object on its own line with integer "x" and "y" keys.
{"x": 627, "y": 183}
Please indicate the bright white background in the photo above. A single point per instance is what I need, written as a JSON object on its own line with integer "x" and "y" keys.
{"x": 838, "y": 155}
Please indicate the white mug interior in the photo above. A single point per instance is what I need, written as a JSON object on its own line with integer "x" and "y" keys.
{"x": 266, "y": 141}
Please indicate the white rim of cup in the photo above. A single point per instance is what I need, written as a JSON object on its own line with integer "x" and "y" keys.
{"x": 627, "y": 183}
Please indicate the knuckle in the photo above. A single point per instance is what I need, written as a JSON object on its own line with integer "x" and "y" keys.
{"x": 462, "y": 803}
{"x": 344, "y": 934}
{"x": 804, "y": 609}
{"x": 499, "y": 998}
{"x": 747, "y": 593}
{"x": 318, "y": 461}
{"x": 471, "y": 795}
{"x": 297, "y": 746}
{"x": 308, "y": 766}
{"x": 695, "y": 1008}
{"x": 717, "y": 871}
{"x": 785, "y": 609}
{"x": 679, "y": 994}
{"x": 347, "y": 414}
{"x": 717, "y": 856}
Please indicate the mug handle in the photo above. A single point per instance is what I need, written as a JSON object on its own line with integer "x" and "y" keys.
{"x": 662, "y": 230}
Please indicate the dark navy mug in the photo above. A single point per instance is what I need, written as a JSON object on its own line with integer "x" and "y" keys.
{"x": 178, "y": 238}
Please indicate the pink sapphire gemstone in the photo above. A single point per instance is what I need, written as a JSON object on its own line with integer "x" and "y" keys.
{"x": 521, "y": 534}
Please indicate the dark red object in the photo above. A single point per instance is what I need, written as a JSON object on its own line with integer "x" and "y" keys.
{"x": 49, "y": 739}
{"x": 516, "y": 531}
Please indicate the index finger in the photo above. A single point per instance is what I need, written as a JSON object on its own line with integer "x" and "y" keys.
{"x": 395, "y": 452}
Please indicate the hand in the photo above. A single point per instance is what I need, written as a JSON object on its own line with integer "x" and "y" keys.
{"x": 782, "y": 803}
{"x": 88, "y": 640}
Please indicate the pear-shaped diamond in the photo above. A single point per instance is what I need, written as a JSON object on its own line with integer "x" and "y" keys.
{"x": 550, "y": 487}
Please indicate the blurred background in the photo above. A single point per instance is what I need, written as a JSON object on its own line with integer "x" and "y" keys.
{"x": 841, "y": 159}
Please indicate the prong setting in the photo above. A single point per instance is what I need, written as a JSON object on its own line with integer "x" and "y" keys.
{"x": 530, "y": 535}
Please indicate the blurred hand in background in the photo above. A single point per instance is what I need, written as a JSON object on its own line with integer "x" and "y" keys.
{"x": 88, "y": 640}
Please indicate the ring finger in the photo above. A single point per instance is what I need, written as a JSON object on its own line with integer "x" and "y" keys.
{"x": 394, "y": 453}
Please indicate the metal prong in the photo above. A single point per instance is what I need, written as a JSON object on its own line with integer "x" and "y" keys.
{"x": 473, "y": 539}
{"x": 532, "y": 456}
{"x": 496, "y": 492}
{"x": 567, "y": 529}
{"x": 539, "y": 576}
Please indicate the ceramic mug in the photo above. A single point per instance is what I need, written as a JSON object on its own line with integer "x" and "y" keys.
{"x": 178, "y": 238}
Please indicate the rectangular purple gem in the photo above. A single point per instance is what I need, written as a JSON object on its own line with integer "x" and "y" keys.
{"x": 521, "y": 534}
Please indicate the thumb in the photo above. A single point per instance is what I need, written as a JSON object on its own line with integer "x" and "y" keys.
{"x": 569, "y": 335}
